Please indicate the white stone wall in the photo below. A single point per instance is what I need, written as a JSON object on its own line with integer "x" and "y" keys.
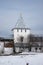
{"x": 33, "y": 49}
{"x": 18, "y": 34}
{"x": 1, "y": 47}
{"x": 8, "y": 50}
{"x": 17, "y": 49}
{"x": 42, "y": 49}
{"x": 38, "y": 50}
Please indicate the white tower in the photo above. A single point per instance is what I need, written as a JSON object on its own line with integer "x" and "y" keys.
{"x": 21, "y": 33}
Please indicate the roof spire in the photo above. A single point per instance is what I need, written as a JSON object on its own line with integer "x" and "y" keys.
{"x": 20, "y": 22}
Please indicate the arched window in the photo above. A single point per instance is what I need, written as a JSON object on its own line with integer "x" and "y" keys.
{"x": 40, "y": 48}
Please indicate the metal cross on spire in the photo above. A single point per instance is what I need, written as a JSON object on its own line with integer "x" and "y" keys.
{"x": 20, "y": 22}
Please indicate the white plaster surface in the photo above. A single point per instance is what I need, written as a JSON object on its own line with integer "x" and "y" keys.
{"x": 1, "y": 47}
{"x": 19, "y": 34}
{"x": 8, "y": 50}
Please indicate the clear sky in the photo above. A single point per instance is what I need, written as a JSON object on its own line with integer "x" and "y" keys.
{"x": 32, "y": 12}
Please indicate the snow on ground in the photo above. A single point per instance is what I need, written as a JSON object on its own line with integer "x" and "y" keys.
{"x": 30, "y": 58}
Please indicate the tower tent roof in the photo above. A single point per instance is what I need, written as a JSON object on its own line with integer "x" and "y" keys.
{"x": 20, "y": 23}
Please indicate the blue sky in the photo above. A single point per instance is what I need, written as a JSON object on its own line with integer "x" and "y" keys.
{"x": 32, "y": 12}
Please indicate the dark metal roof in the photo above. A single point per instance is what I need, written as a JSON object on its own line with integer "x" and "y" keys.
{"x": 20, "y": 24}
{"x": 21, "y": 28}
{"x": 6, "y": 40}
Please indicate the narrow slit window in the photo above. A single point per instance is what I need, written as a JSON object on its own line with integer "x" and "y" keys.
{"x": 17, "y": 30}
{"x": 25, "y": 30}
{"x": 21, "y": 30}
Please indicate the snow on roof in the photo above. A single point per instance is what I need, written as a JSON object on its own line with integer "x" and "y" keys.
{"x": 20, "y": 24}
